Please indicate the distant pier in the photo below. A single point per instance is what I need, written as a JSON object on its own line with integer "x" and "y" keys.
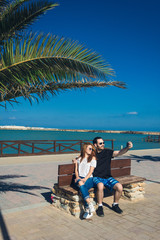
{"x": 152, "y": 138}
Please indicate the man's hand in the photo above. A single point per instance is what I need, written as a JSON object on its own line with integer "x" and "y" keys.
{"x": 129, "y": 145}
{"x": 123, "y": 151}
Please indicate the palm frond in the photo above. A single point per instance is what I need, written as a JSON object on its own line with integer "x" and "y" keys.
{"x": 18, "y": 16}
{"x": 7, "y": 6}
{"x": 48, "y": 63}
{"x": 46, "y": 59}
{"x": 3, "y": 3}
{"x": 43, "y": 91}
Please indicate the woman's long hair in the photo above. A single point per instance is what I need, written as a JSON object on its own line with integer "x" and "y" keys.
{"x": 83, "y": 151}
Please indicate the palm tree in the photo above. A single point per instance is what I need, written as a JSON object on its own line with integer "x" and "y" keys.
{"x": 34, "y": 65}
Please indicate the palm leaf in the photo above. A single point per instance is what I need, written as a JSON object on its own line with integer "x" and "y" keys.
{"x": 40, "y": 60}
{"x": 3, "y": 3}
{"x": 17, "y": 16}
{"x": 44, "y": 59}
{"x": 41, "y": 91}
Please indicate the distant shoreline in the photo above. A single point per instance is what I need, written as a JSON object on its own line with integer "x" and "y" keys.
{"x": 77, "y": 130}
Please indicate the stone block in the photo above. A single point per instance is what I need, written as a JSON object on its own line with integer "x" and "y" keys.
{"x": 76, "y": 198}
{"x": 56, "y": 203}
{"x": 76, "y": 214}
{"x": 54, "y": 190}
{"x": 75, "y": 211}
{"x": 64, "y": 201}
{"x": 65, "y": 207}
{"x": 132, "y": 185}
{"x": 141, "y": 184}
{"x": 132, "y": 195}
{"x": 74, "y": 204}
{"x": 130, "y": 189}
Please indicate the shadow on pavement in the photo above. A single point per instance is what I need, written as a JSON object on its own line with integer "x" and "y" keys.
{"x": 145, "y": 158}
{"x": 47, "y": 196}
{"x": 4, "y": 230}
{"x": 148, "y": 180}
{"x": 11, "y": 176}
{"x": 17, "y": 187}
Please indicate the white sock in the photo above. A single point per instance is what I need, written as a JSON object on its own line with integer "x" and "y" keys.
{"x": 115, "y": 203}
{"x": 100, "y": 205}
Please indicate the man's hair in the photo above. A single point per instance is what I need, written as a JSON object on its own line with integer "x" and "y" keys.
{"x": 95, "y": 140}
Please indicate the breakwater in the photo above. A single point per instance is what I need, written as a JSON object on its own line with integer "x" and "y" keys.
{"x": 79, "y": 130}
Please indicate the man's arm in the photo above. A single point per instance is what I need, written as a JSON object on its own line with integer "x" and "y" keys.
{"x": 123, "y": 151}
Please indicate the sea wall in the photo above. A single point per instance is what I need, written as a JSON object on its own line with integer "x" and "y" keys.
{"x": 77, "y": 130}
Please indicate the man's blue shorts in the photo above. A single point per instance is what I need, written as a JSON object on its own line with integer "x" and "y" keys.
{"x": 108, "y": 182}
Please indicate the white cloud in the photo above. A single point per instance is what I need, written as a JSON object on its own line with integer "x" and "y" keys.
{"x": 132, "y": 113}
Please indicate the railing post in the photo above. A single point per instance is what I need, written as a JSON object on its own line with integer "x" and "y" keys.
{"x": 80, "y": 145}
{"x": 32, "y": 147}
{"x": 19, "y": 148}
{"x": 59, "y": 147}
{"x": 112, "y": 144}
{"x": 1, "y": 149}
{"x": 54, "y": 145}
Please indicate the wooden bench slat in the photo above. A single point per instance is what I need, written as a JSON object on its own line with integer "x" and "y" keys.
{"x": 120, "y": 163}
{"x": 72, "y": 190}
{"x": 65, "y": 180}
{"x": 130, "y": 179}
{"x": 66, "y": 169}
{"x": 69, "y": 189}
{"x": 120, "y": 172}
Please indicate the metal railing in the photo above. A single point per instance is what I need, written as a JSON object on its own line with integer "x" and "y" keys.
{"x": 40, "y": 147}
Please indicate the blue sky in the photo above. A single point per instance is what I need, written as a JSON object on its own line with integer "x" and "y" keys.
{"x": 126, "y": 33}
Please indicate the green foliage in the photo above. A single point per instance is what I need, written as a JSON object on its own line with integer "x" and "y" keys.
{"x": 32, "y": 66}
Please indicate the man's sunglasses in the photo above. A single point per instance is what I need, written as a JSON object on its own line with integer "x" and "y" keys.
{"x": 101, "y": 143}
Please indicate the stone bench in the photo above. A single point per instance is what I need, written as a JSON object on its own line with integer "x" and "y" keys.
{"x": 65, "y": 196}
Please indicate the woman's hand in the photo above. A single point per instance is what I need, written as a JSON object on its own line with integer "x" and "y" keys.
{"x": 74, "y": 160}
{"x": 84, "y": 180}
{"x": 78, "y": 178}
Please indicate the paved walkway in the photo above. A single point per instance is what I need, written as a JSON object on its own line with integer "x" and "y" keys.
{"x": 26, "y": 212}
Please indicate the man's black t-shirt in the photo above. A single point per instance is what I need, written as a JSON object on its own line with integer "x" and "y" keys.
{"x": 103, "y": 169}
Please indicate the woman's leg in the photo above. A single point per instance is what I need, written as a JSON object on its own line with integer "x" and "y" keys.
{"x": 80, "y": 183}
{"x": 85, "y": 189}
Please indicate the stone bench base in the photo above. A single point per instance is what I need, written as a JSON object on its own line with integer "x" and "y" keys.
{"x": 134, "y": 191}
{"x": 73, "y": 204}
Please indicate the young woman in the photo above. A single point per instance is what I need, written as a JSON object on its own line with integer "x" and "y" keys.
{"x": 84, "y": 167}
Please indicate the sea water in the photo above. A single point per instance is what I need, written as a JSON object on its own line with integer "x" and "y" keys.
{"x": 120, "y": 138}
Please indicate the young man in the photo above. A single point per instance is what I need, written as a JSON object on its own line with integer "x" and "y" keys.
{"x": 102, "y": 174}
